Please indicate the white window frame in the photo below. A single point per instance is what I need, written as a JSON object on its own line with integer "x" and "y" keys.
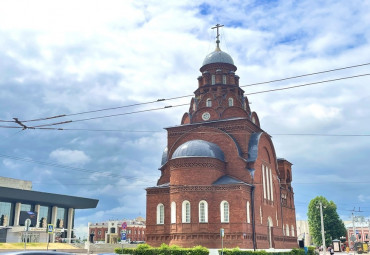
{"x": 224, "y": 79}
{"x": 213, "y": 79}
{"x": 160, "y": 214}
{"x": 292, "y": 230}
{"x": 231, "y": 101}
{"x": 268, "y": 182}
{"x": 271, "y": 186}
{"x": 173, "y": 212}
{"x": 186, "y": 212}
{"x": 209, "y": 102}
{"x": 248, "y": 213}
{"x": 225, "y": 212}
{"x": 287, "y": 229}
{"x": 203, "y": 215}
{"x": 264, "y": 181}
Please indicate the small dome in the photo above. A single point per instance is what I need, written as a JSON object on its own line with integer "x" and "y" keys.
{"x": 218, "y": 56}
{"x": 198, "y": 148}
{"x": 164, "y": 156}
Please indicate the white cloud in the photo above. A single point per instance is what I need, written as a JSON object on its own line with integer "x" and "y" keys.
{"x": 62, "y": 57}
{"x": 65, "y": 156}
{"x": 10, "y": 164}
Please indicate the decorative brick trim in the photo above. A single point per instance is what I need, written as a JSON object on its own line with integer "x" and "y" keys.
{"x": 197, "y": 162}
{"x": 206, "y": 188}
{"x": 158, "y": 191}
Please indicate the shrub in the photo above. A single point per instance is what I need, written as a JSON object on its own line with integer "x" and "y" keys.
{"x": 164, "y": 249}
{"x": 237, "y": 251}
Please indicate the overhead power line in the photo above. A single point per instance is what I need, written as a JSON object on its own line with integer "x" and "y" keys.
{"x": 309, "y": 84}
{"x": 172, "y": 106}
{"x": 213, "y": 133}
{"x": 184, "y": 96}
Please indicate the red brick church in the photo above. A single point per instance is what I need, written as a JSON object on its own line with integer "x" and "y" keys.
{"x": 220, "y": 171}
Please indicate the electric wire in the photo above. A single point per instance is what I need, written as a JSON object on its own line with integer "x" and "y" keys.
{"x": 172, "y": 106}
{"x": 184, "y": 96}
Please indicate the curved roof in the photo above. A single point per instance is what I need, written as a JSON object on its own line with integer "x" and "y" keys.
{"x": 164, "y": 156}
{"x": 198, "y": 148}
{"x": 253, "y": 146}
{"x": 218, "y": 56}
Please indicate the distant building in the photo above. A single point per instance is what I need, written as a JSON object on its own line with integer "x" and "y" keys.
{"x": 110, "y": 231}
{"x": 19, "y": 202}
{"x": 220, "y": 172}
{"x": 303, "y": 233}
{"x": 361, "y": 231}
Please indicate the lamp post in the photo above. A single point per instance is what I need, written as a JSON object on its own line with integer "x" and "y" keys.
{"x": 322, "y": 229}
{"x": 222, "y": 234}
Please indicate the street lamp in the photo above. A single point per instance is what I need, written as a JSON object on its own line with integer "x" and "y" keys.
{"x": 322, "y": 228}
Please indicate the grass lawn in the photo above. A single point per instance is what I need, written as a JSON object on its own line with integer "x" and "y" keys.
{"x": 38, "y": 246}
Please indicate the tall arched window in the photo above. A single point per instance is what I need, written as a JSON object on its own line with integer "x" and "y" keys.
{"x": 248, "y": 213}
{"x": 213, "y": 79}
{"x": 231, "y": 101}
{"x": 173, "y": 212}
{"x": 208, "y": 102}
{"x": 287, "y": 229}
{"x": 160, "y": 214}
{"x": 186, "y": 212}
{"x": 292, "y": 232}
{"x": 223, "y": 79}
{"x": 203, "y": 211}
{"x": 224, "y": 207}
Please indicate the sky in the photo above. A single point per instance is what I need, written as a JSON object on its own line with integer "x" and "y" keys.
{"x": 77, "y": 58}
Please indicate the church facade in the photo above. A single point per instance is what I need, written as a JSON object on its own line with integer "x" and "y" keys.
{"x": 220, "y": 173}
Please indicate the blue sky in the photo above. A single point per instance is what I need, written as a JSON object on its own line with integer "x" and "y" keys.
{"x": 68, "y": 57}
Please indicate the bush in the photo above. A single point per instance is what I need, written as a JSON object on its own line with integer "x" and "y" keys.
{"x": 311, "y": 250}
{"x": 237, "y": 251}
{"x": 164, "y": 249}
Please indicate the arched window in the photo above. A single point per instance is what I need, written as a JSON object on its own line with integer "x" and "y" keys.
{"x": 231, "y": 101}
{"x": 186, "y": 212}
{"x": 223, "y": 79}
{"x": 213, "y": 79}
{"x": 248, "y": 213}
{"x": 160, "y": 214}
{"x": 208, "y": 102}
{"x": 287, "y": 230}
{"x": 292, "y": 232}
{"x": 173, "y": 212}
{"x": 224, "y": 207}
{"x": 283, "y": 230}
{"x": 203, "y": 211}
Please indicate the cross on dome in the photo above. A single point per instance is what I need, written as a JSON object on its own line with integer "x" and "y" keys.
{"x": 217, "y": 36}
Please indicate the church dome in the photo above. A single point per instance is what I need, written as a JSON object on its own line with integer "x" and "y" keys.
{"x": 218, "y": 56}
{"x": 198, "y": 148}
{"x": 164, "y": 156}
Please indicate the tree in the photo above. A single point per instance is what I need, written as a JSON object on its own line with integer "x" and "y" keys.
{"x": 334, "y": 226}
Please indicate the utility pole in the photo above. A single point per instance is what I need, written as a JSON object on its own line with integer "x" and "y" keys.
{"x": 322, "y": 229}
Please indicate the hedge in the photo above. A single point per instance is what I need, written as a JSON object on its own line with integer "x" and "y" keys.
{"x": 237, "y": 251}
{"x": 145, "y": 249}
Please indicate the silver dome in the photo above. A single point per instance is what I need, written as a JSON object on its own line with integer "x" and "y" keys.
{"x": 218, "y": 56}
{"x": 164, "y": 156}
{"x": 198, "y": 148}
